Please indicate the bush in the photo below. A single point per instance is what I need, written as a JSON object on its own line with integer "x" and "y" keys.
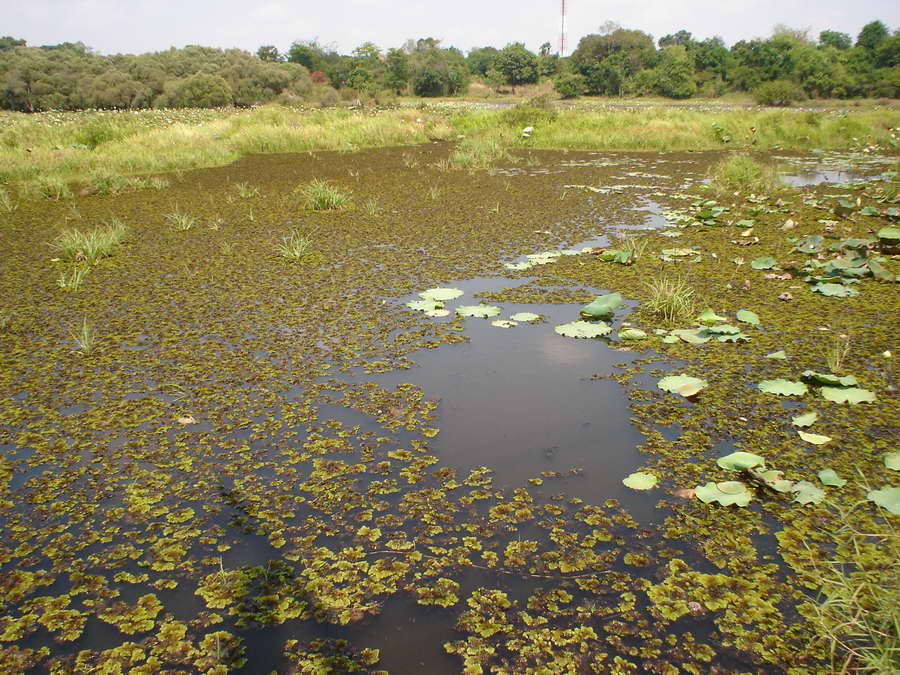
{"x": 530, "y": 113}
{"x": 320, "y": 195}
{"x": 777, "y": 92}
{"x": 742, "y": 172}
{"x": 570, "y": 85}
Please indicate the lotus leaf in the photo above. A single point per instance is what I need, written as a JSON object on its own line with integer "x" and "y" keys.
{"x": 880, "y": 272}
{"x": 691, "y": 335}
{"x": 723, "y": 329}
{"x": 738, "y": 461}
{"x": 830, "y": 478}
{"x": 440, "y": 294}
{"x": 584, "y": 329}
{"x": 780, "y": 354}
{"x": 782, "y": 387}
{"x": 829, "y": 378}
{"x": 478, "y": 311}
{"x": 727, "y": 493}
{"x": 735, "y": 337}
{"x": 504, "y": 323}
{"x": 678, "y": 252}
{"x": 811, "y": 244}
{"x": 709, "y": 316}
{"x": 682, "y": 384}
{"x": 892, "y": 232}
{"x": 438, "y": 312}
{"x": 892, "y": 460}
{"x": 869, "y": 211}
{"x": 543, "y": 258}
{"x": 807, "y": 493}
{"x": 518, "y": 266}
{"x": 887, "y": 498}
{"x": 765, "y": 262}
{"x": 425, "y": 305}
{"x": 617, "y": 256}
{"x": 835, "y": 290}
{"x": 805, "y": 420}
{"x": 640, "y": 481}
{"x": 527, "y": 317}
{"x": 632, "y": 334}
{"x": 602, "y": 306}
{"x": 672, "y": 339}
{"x": 776, "y": 481}
{"x": 815, "y": 439}
{"x": 849, "y": 395}
{"x": 746, "y": 316}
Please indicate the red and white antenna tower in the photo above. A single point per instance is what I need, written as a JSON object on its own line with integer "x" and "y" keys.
{"x": 562, "y": 29}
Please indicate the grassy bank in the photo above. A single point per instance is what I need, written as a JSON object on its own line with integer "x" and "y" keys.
{"x": 38, "y": 152}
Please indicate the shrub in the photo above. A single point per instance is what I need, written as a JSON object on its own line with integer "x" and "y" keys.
{"x": 106, "y": 181}
{"x": 670, "y": 299}
{"x": 777, "y": 93}
{"x": 531, "y": 113}
{"x": 570, "y": 85}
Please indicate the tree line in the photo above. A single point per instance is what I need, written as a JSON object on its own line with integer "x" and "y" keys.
{"x": 615, "y": 61}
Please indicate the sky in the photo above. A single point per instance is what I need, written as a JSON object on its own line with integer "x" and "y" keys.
{"x": 137, "y": 26}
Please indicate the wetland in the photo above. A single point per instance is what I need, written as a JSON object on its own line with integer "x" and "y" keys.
{"x": 216, "y": 458}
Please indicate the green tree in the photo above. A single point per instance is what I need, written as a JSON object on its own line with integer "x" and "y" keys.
{"x": 887, "y": 54}
{"x": 676, "y": 73}
{"x": 481, "y": 60}
{"x": 396, "y": 74}
{"x": 201, "y": 90}
{"x": 517, "y": 65}
{"x": 9, "y": 42}
{"x": 871, "y": 34}
{"x": 832, "y": 38}
{"x": 268, "y": 53}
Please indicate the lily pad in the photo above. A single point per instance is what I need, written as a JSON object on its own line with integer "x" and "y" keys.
{"x": 775, "y": 480}
{"x": 425, "y": 305}
{"x": 815, "y": 439}
{"x": 746, "y": 316}
{"x": 782, "y": 387}
{"x": 835, "y": 290}
{"x": 829, "y": 378}
{"x": 584, "y": 329}
{"x": 478, "y": 311}
{"x": 738, "y": 461}
{"x": 892, "y": 232}
{"x": 632, "y": 334}
{"x": 727, "y": 493}
{"x": 602, "y": 306}
{"x": 525, "y": 317}
{"x": 682, "y": 384}
{"x": 805, "y": 420}
{"x": 807, "y": 493}
{"x": 780, "y": 355}
{"x": 504, "y": 323}
{"x": 723, "y": 329}
{"x": 440, "y": 294}
{"x": 518, "y": 266}
{"x": 892, "y": 460}
{"x": 709, "y": 316}
{"x": 640, "y": 481}
{"x": 691, "y": 335}
{"x": 887, "y": 498}
{"x": 830, "y": 478}
{"x": 438, "y": 313}
{"x": 765, "y": 262}
{"x": 849, "y": 395}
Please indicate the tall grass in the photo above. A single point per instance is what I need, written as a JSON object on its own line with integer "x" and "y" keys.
{"x": 295, "y": 246}
{"x": 42, "y": 153}
{"x": 71, "y": 280}
{"x": 90, "y": 246}
{"x": 320, "y": 195}
{"x": 478, "y": 152}
{"x": 671, "y": 299}
{"x": 740, "y": 172}
{"x": 83, "y": 336}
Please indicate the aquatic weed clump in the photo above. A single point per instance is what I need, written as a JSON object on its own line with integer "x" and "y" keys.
{"x": 320, "y": 195}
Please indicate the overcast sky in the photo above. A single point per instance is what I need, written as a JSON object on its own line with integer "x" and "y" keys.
{"x": 135, "y": 26}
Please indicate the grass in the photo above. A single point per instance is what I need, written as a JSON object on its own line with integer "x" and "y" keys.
{"x": 180, "y": 220}
{"x": 5, "y": 322}
{"x": 71, "y": 280}
{"x": 320, "y": 195}
{"x": 107, "y": 181}
{"x": 84, "y": 336}
{"x": 858, "y": 613}
{"x": 837, "y": 353}
{"x": 6, "y": 202}
{"x": 671, "y": 298}
{"x": 634, "y": 247}
{"x": 90, "y": 246}
{"x": 741, "y": 173}
{"x": 295, "y": 246}
{"x": 245, "y": 191}
{"x": 42, "y": 153}
{"x": 371, "y": 206}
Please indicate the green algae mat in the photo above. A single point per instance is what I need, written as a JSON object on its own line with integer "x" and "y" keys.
{"x": 456, "y": 433}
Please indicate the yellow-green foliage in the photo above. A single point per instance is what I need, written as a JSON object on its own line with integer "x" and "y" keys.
{"x": 740, "y": 172}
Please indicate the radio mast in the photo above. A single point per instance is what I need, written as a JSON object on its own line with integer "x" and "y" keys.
{"x": 562, "y": 29}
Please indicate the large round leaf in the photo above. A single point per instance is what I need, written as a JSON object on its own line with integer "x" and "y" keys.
{"x": 888, "y": 498}
{"x": 835, "y": 290}
{"x": 807, "y": 493}
{"x": 584, "y": 329}
{"x": 478, "y": 311}
{"x": 727, "y": 493}
{"x": 849, "y": 395}
{"x": 829, "y": 379}
{"x": 602, "y": 306}
{"x": 440, "y": 294}
{"x": 782, "y": 387}
{"x": 815, "y": 439}
{"x": 830, "y": 478}
{"x": 632, "y": 334}
{"x": 805, "y": 419}
{"x": 528, "y": 317}
{"x": 892, "y": 460}
{"x": 682, "y": 384}
{"x": 640, "y": 481}
{"x": 425, "y": 305}
{"x": 747, "y": 316}
{"x": 738, "y": 461}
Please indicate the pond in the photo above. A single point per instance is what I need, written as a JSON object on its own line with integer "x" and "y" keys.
{"x": 260, "y": 458}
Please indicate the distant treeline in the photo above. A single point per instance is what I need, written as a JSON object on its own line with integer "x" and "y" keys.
{"x": 614, "y": 62}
